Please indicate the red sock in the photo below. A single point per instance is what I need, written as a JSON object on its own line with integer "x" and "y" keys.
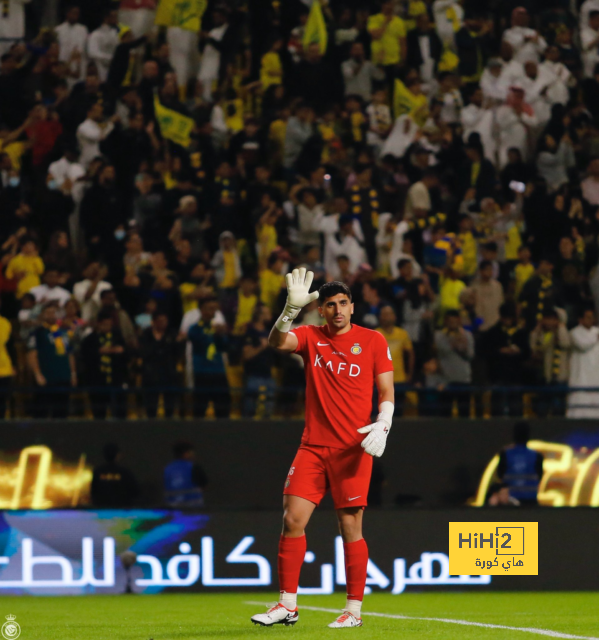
{"x": 356, "y": 563}
{"x": 291, "y": 558}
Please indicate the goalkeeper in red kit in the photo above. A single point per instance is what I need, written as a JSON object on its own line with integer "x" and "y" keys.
{"x": 342, "y": 363}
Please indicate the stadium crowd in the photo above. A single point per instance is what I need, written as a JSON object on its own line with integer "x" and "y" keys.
{"x": 441, "y": 157}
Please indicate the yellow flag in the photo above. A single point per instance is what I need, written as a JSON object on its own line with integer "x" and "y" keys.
{"x": 173, "y": 125}
{"x": 316, "y": 30}
{"x": 405, "y": 102}
{"x": 186, "y": 14}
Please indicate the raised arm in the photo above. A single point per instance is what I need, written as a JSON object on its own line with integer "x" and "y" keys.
{"x": 298, "y": 296}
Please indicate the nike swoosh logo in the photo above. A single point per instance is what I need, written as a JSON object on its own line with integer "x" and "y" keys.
{"x": 352, "y": 499}
{"x": 322, "y": 344}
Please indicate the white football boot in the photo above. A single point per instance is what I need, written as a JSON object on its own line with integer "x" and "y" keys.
{"x": 277, "y": 614}
{"x": 346, "y": 619}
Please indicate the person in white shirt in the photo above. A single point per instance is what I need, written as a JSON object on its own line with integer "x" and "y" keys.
{"x": 50, "y": 291}
{"x": 527, "y": 43}
{"x": 65, "y": 174}
{"x": 584, "y": 368}
{"x": 515, "y": 120}
{"x": 418, "y": 201}
{"x": 12, "y": 23}
{"x": 72, "y": 38}
{"x": 401, "y": 137}
{"x": 211, "y": 56}
{"x": 379, "y": 121}
{"x": 589, "y": 39}
{"x": 138, "y": 15}
{"x": 449, "y": 16}
{"x": 102, "y": 43}
{"x": 358, "y": 73}
{"x": 491, "y": 83}
{"x": 183, "y": 54}
{"x": 450, "y": 97}
{"x": 512, "y": 71}
{"x": 477, "y": 119}
{"x": 91, "y": 132}
{"x": 340, "y": 239}
{"x": 87, "y": 292}
{"x": 542, "y": 90}
{"x": 585, "y": 10}
{"x": 554, "y": 64}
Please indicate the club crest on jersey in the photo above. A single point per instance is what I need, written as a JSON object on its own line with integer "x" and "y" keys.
{"x": 356, "y": 349}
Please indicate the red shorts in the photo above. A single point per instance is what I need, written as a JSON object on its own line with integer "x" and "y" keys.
{"x": 345, "y": 471}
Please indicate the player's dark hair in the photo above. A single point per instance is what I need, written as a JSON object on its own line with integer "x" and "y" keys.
{"x": 111, "y": 451}
{"x": 550, "y": 313}
{"x": 490, "y": 246}
{"x": 207, "y": 299}
{"x": 403, "y": 262}
{"x": 331, "y": 289}
{"x": 105, "y": 314}
{"x": 508, "y": 310}
{"x": 485, "y": 264}
{"x": 521, "y": 432}
{"x": 452, "y": 313}
{"x": 181, "y": 448}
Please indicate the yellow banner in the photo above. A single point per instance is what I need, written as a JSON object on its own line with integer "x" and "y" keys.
{"x": 405, "y": 102}
{"x": 173, "y": 125}
{"x": 316, "y": 29}
{"x": 186, "y": 14}
{"x": 494, "y": 548}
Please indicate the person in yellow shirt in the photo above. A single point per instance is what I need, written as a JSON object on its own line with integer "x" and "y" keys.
{"x": 26, "y": 267}
{"x": 271, "y": 69}
{"x": 449, "y": 293}
{"x": 267, "y": 239}
{"x": 400, "y": 345}
{"x": 7, "y": 370}
{"x": 271, "y": 282}
{"x": 388, "y": 33}
{"x": 415, "y": 9}
{"x": 469, "y": 246}
{"x": 246, "y": 304}
{"x": 523, "y": 271}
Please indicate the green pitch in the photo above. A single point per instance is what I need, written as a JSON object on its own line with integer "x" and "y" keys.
{"x": 193, "y": 617}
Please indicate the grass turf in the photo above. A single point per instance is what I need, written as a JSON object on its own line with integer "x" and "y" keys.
{"x": 199, "y": 616}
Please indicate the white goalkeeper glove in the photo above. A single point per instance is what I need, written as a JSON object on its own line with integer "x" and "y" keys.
{"x": 298, "y": 296}
{"x": 374, "y": 443}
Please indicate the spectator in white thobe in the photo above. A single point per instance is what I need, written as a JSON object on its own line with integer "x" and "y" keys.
{"x": 12, "y": 22}
{"x": 476, "y": 119}
{"x": 72, "y": 38}
{"x": 91, "y": 132}
{"x": 102, "y": 43}
{"x": 589, "y": 41}
{"x": 527, "y": 43}
{"x": 138, "y": 15}
{"x": 516, "y": 121}
{"x": 584, "y": 368}
{"x": 211, "y": 56}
